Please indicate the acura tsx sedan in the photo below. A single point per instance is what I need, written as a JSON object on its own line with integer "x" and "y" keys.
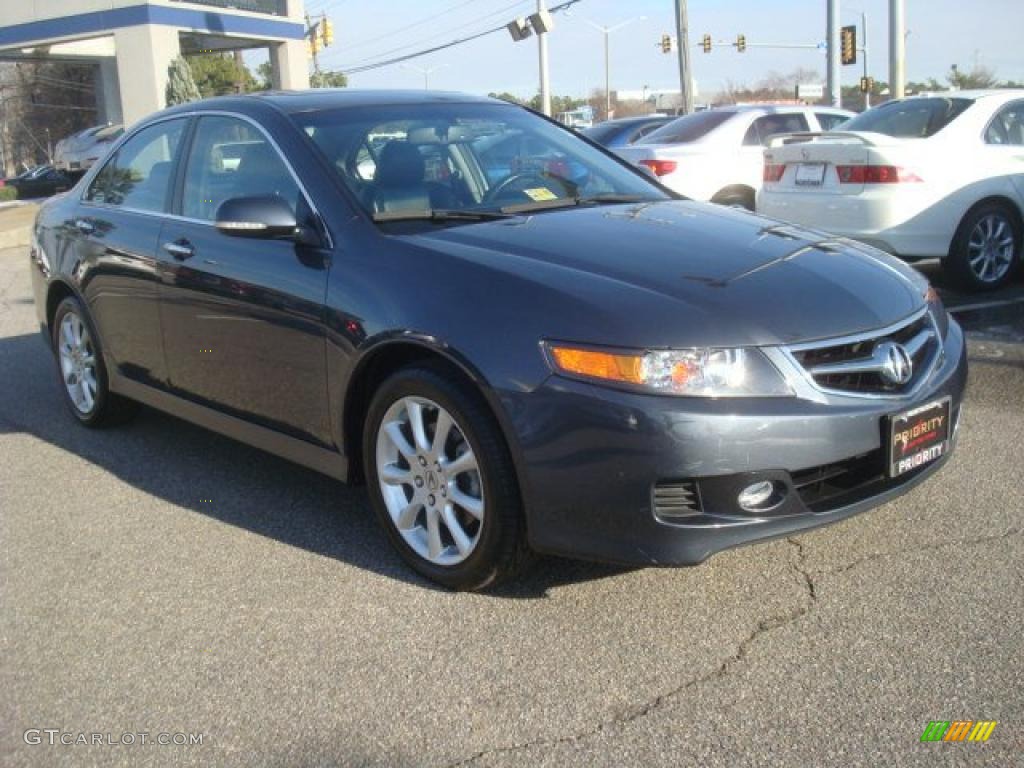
{"x": 517, "y": 341}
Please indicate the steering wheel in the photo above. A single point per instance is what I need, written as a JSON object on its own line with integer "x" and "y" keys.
{"x": 527, "y": 179}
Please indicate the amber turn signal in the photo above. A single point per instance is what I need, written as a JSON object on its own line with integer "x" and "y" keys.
{"x": 599, "y": 365}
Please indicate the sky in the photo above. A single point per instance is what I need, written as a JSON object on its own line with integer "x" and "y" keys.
{"x": 941, "y": 33}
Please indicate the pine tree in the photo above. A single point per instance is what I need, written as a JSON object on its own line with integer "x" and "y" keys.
{"x": 181, "y": 86}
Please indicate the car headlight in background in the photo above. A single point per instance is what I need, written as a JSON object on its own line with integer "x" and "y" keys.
{"x": 695, "y": 372}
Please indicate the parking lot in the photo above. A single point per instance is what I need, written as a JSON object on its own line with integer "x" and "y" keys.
{"x": 160, "y": 579}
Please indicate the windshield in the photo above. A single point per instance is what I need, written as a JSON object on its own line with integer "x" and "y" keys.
{"x": 909, "y": 118}
{"x": 687, "y": 128}
{"x": 465, "y": 158}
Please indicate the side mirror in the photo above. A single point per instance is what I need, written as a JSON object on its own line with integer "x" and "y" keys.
{"x": 262, "y": 216}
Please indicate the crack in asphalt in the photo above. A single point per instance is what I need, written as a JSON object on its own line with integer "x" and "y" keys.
{"x": 923, "y": 548}
{"x": 637, "y": 713}
{"x": 799, "y": 567}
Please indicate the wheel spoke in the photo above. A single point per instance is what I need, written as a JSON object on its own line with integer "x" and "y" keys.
{"x": 463, "y": 463}
{"x": 393, "y": 430}
{"x": 474, "y": 506}
{"x": 434, "y": 546}
{"x": 462, "y": 542}
{"x": 419, "y": 432}
{"x": 441, "y": 431}
{"x": 392, "y": 474}
{"x": 407, "y": 517}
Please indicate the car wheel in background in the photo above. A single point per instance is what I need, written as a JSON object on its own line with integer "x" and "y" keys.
{"x": 986, "y": 249}
{"x": 735, "y": 198}
{"x": 441, "y": 480}
{"x": 83, "y": 376}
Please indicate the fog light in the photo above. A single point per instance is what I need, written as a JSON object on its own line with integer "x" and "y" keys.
{"x": 760, "y": 496}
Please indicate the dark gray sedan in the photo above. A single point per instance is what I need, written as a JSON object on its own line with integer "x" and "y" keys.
{"x": 520, "y": 343}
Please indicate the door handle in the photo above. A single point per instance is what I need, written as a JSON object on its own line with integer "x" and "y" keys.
{"x": 84, "y": 226}
{"x": 180, "y": 249}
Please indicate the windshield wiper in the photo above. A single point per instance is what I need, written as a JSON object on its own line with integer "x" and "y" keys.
{"x": 570, "y": 202}
{"x": 440, "y": 214}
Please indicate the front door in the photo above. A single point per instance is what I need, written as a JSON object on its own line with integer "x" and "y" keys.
{"x": 243, "y": 317}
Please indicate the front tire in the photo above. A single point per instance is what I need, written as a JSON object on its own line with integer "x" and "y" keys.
{"x": 80, "y": 368}
{"x": 986, "y": 248}
{"x": 441, "y": 480}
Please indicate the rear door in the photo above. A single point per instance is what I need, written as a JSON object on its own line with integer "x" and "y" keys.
{"x": 242, "y": 317}
{"x": 1004, "y": 146}
{"x": 114, "y": 235}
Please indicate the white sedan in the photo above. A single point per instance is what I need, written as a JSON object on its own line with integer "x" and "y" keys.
{"x": 716, "y": 154}
{"x": 931, "y": 176}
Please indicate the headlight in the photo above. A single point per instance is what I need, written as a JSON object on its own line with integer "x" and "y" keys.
{"x": 694, "y": 372}
{"x": 938, "y": 311}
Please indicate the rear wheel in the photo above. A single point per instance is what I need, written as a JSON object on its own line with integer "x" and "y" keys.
{"x": 736, "y": 198}
{"x": 441, "y": 480}
{"x": 986, "y": 249}
{"x": 83, "y": 376}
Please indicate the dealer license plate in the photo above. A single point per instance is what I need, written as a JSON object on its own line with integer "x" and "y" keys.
{"x": 810, "y": 174}
{"x": 918, "y": 437}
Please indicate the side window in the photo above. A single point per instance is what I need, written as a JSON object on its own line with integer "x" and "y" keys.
{"x": 232, "y": 158}
{"x": 773, "y": 125}
{"x": 1007, "y": 127}
{"x": 752, "y": 138}
{"x": 828, "y": 121}
{"x": 139, "y": 174}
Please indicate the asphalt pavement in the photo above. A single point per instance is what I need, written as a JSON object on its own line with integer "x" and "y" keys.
{"x": 160, "y": 579}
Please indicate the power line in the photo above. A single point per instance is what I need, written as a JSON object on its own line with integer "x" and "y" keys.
{"x": 444, "y": 46}
{"x": 372, "y": 59}
{"x": 424, "y": 20}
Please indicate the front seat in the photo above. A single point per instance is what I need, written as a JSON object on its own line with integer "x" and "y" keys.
{"x": 399, "y": 179}
{"x": 261, "y": 172}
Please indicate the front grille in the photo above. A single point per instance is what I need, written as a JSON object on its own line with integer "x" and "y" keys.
{"x": 676, "y": 500}
{"x": 854, "y": 365}
{"x": 820, "y": 487}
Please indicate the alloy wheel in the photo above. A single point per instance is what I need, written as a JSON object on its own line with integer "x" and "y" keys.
{"x": 77, "y": 362}
{"x": 430, "y": 481}
{"x": 990, "y": 248}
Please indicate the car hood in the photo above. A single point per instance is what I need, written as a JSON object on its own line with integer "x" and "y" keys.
{"x": 686, "y": 273}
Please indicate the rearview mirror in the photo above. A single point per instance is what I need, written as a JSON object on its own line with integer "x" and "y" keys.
{"x": 261, "y": 216}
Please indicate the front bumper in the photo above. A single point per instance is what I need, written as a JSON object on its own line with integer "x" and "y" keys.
{"x": 590, "y": 459}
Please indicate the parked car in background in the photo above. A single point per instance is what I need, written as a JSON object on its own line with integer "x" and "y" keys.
{"x": 932, "y": 176}
{"x": 41, "y": 181}
{"x": 79, "y": 151}
{"x": 716, "y": 155}
{"x": 625, "y": 130}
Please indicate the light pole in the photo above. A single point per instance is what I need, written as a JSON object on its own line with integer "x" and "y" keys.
{"x": 425, "y": 71}
{"x": 607, "y": 32}
{"x": 542, "y": 53}
{"x": 897, "y": 49}
{"x": 832, "y": 35}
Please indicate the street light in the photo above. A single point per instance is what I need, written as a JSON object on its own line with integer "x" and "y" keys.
{"x": 607, "y": 31}
{"x": 425, "y": 71}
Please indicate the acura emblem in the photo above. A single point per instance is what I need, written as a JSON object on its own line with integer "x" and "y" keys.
{"x": 896, "y": 366}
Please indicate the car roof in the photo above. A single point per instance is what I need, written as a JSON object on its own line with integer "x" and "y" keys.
{"x": 316, "y": 99}
{"x": 972, "y": 94}
{"x": 635, "y": 119}
{"x": 778, "y": 108}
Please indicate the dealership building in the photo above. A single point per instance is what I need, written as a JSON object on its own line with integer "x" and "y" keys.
{"x": 133, "y": 42}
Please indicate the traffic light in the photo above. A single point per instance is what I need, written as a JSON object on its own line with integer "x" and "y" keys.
{"x": 741, "y": 43}
{"x": 848, "y": 45}
{"x": 314, "y": 45}
{"x": 666, "y": 43}
{"x": 326, "y": 32}
{"x": 705, "y": 43}
{"x": 867, "y": 84}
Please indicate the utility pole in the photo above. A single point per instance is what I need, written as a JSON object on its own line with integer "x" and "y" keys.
{"x": 897, "y": 49}
{"x": 683, "y": 38}
{"x": 607, "y": 32}
{"x": 832, "y": 36}
{"x": 864, "y": 37}
{"x": 542, "y": 50}
{"x": 312, "y": 32}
